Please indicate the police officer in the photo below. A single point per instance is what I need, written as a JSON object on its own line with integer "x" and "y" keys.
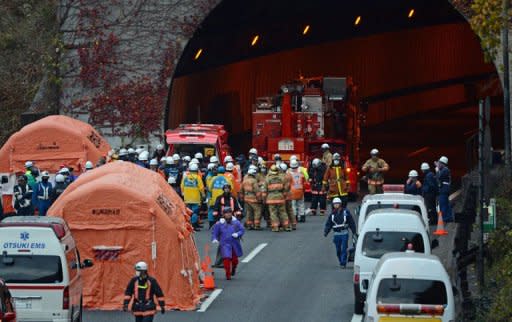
{"x": 23, "y": 197}
{"x": 445, "y": 180}
{"x": 42, "y": 194}
{"x": 375, "y": 167}
{"x": 275, "y": 198}
{"x": 144, "y": 290}
{"x": 413, "y": 185}
{"x": 250, "y": 193}
{"x": 340, "y": 221}
{"x": 429, "y": 190}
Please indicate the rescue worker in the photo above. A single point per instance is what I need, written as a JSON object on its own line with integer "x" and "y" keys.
{"x": 143, "y": 159}
{"x": 88, "y": 166}
{"x": 153, "y": 166}
{"x": 277, "y": 160}
{"x": 68, "y": 178}
{"x": 159, "y": 152}
{"x": 318, "y": 194}
{"x": 288, "y": 205}
{"x": 375, "y": 168}
{"x": 261, "y": 177}
{"x": 227, "y": 199}
{"x": 31, "y": 178}
{"x": 42, "y": 194}
{"x": 146, "y": 292}
{"x": 297, "y": 190}
{"x": 227, "y": 233}
{"x": 275, "y": 197}
{"x": 193, "y": 193}
{"x": 174, "y": 184}
{"x": 250, "y": 193}
{"x": 60, "y": 186}
{"x": 132, "y": 155}
{"x": 413, "y": 185}
{"x": 214, "y": 160}
{"x": 429, "y": 190}
{"x": 340, "y": 221}
{"x": 211, "y": 172}
{"x": 336, "y": 182}
{"x": 216, "y": 189}
{"x": 173, "y": 168}
{"x": 445, "y": 180}
{"x": 185, "y": 160}
{"x": 22, "y": 193}
{"x": 326, "y": 155}
{"x": 202, "y": 162}
{"x": 230, "y": 168}
{"x": 253, "y": 154}
{"x": 123, "y": 154}
{"x": 301, "y": 168}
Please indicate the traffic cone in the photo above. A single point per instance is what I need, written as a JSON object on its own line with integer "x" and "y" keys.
{"x": 440, "y": 231}
{"x": 208, "y": 280}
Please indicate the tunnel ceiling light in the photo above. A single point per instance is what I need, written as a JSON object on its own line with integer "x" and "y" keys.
{"x": 411, "y": 13}
{"x": 198, "y": 54}
{"x": 306, "y": 30}
{"x": 358, "y": 21}
{"x": 255, "y": 40}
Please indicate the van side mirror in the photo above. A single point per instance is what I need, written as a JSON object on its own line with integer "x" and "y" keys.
{"x": 435, "y": 244}
{"x": 5, "y": 179}
{"x": 455, "y": 291}
{"x": 365, "y": 284}
{"x": 87, "y": 263}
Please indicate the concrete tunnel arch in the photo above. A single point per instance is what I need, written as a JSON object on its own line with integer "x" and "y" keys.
{"x": 432, "y": 61}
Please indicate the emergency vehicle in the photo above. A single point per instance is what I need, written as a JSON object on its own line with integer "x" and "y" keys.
{"x": 307, "y": 113}
{"x": 189, "y": 139}
{"x": 41, "y": 266}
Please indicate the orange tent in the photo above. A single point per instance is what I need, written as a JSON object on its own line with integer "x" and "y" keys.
{"x": 120, "y": 214}
{"x": 50, "y": 142}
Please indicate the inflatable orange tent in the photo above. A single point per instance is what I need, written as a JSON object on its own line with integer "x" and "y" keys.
{"x": 120, "y": 214}
{"x": 50, "y": 142}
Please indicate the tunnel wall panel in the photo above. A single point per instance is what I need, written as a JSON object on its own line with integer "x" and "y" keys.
{"x": 379, "y": 63}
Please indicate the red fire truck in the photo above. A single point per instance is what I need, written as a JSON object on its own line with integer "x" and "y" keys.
{"x": 188, "y": 139}
{"x": 307, "y": 113}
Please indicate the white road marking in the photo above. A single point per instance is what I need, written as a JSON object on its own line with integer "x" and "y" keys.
{"x": 357, "y": 318}
{"x": 210, "y": 300}
{"x": 254, "y": 252}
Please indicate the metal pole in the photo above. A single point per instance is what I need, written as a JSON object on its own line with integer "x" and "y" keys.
{"x": 506, "y": 83}
{"x": 481, "y": 156}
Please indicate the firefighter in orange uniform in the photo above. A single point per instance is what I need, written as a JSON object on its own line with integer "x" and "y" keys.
{"x": 143, "y": 289}
{"x": 275, "y": 197}
{"x": 297, "y": 190}
{"x": 375, "y": 168}
{"x": 290, "y": 211}
{"x": 251, "y": 196}
{"x": 336, "y": 182}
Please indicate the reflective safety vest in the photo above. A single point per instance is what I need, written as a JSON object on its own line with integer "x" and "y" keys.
{"x": 336, "y": 181}
{"x": 297, "y": 184}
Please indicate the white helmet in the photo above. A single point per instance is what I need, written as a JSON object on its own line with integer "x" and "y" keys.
{"x": 186, "y": 158}
{"x": 294, "y": 157}
{"x": 45, "y": 174}
{"x": 171, "y": 180}
{"x": 64, "y": 170}
{"x": 211, "y": 166}
{"x": 336, "y": 156}
{"x": 252, "y": 171}
{"x": 139, "y": 150}
{"x": 169, "y": 160}
{"x": 153, "y": 162}
{"x": 193, "y": 167}
{"x": 253, "y": 151}
{"x": 123, "y": 152}
{"x": 253, "y": 167}
{"x": 283, "y": 166}
{"x": 336, "y": 200}
{"x": 144, "y": 156}
{"x": 374, "y": 152}
{"x": 131, "y": 151}
{"x": 260, "y": 160}
{"x": 198, "y": 155}
{"x": 141, "y": 266}
{"x": 228, "y": 158}
{"x": 316, "y": 162}
{"x": 159, "y": 147}
{"x": 325, "y": 146}
{"x": 176, "y": 157}
{"x": 214, "y": 159}
{"x": 294, "y": 164}
{"x": 59, "y": 178}
{"x": 413, "y": 174}
{"x": 89, "y": 165}
{"x": 230, "y": 166}
{"x": 425, "y": 166}
{"x": 194, "y": 160}
{"x": 28, "y": 164}
{"x": 443, "y": 160}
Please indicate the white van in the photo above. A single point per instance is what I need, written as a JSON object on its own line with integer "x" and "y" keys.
{"x": 410, "y": 287}
{"x": 391, "y": 200}
{"x": 386, "y": 230}
{"x": 41, "y": 266}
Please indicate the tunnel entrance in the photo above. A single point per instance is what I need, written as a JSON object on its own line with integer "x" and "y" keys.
{"x": 417, "y": 64}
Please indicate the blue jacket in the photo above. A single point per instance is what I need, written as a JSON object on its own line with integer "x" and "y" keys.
{"x": 445, "y": 180}
{"x": 43, "y": 191}
{"x": 223, "y": 231}
{"x": 412, "y": 188}
{"x": 430, "y": 185}
{"x": 340, "y": 221}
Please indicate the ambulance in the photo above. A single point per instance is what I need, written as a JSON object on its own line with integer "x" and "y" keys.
{"x": 41, "y": 265}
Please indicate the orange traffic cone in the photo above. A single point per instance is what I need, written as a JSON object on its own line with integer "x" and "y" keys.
{"x": 208, "y": 280}
{"x": 440, "y": 231}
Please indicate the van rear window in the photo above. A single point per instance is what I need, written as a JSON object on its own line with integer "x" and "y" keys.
{"x": 373, "y": 207}
{"x": 411, "y": 291}
{"x": 377, "y": 244}
{"x": 31, "y": 269}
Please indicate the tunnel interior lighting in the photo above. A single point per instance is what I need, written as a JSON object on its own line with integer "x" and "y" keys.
{"x": 198, "y": 54}
{"x": 358, "y": 21}
{"x": 306, "y": 30}
{"x": 255, "y": 40}
{"x": 411, "y": 13}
